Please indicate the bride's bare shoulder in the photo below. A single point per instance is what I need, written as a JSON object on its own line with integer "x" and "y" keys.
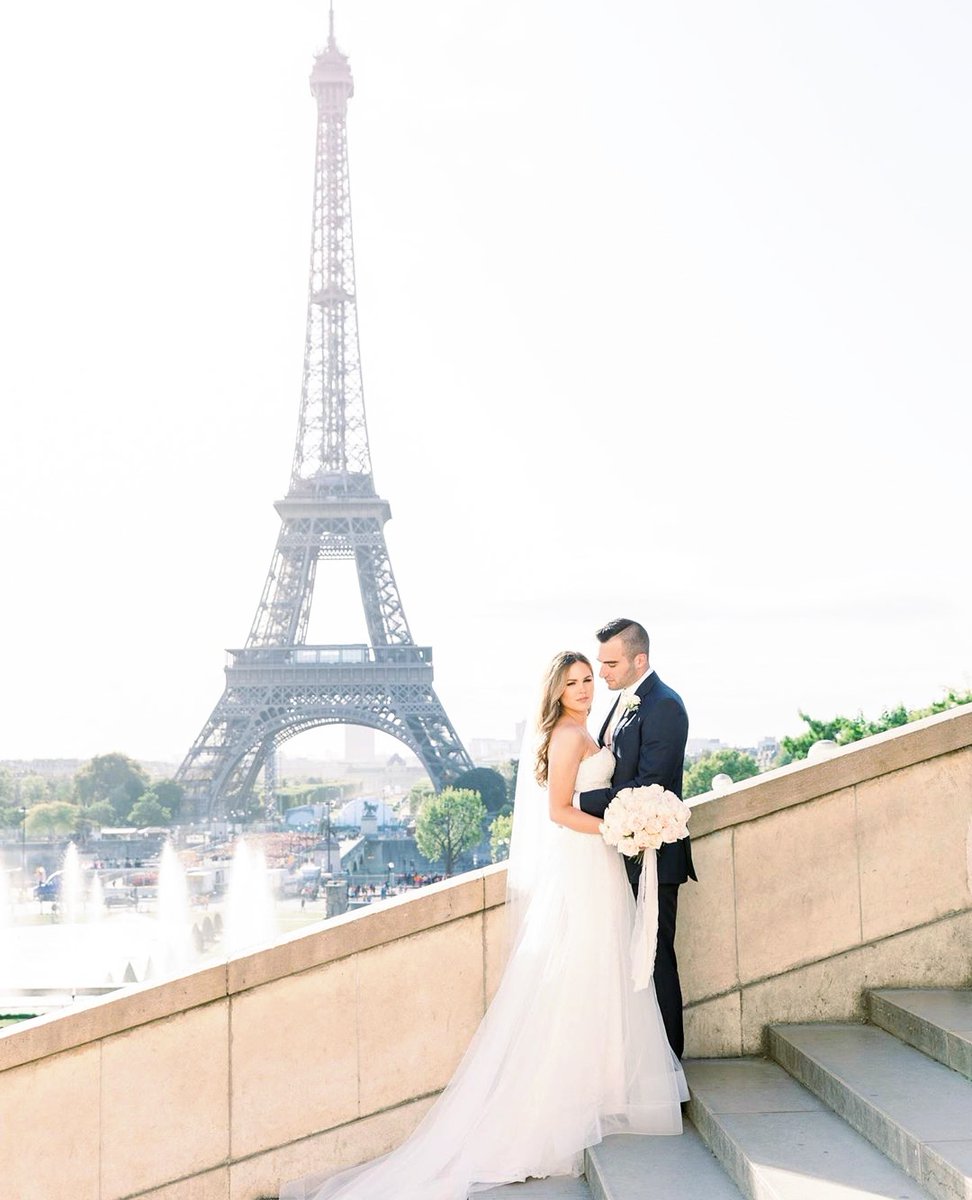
{"x": 568, "y": 737}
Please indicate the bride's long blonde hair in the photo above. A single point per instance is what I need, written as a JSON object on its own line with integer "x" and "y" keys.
{"x": 551, "y": 709}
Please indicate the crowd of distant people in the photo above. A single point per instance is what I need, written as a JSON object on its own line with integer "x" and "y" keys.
{"x": 372, "y": 891}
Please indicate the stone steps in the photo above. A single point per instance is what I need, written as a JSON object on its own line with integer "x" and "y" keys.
{"x": 915, "y": 1110}
{"x": 779, "y": 1142}
{"x": 937, "y": 1021}
{"x": 662, "y": 1168}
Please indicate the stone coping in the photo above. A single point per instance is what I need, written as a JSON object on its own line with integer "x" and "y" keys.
{"x": 336, "y": 938}
{"x": 801, "y": 781}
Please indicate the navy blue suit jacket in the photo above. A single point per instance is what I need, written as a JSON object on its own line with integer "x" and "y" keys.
{"x": 649, "y": 747}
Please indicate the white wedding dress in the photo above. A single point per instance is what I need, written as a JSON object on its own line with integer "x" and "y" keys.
{"x": 567, "y": 1052}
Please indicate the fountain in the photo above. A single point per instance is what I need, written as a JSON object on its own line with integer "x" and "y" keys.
{"x": 176, "y": 950}
{"x": 96, "y": 898}
{"x": 71, "y": 894}
{"x": 93, "y": 937}
{"x": 249, "y": 902}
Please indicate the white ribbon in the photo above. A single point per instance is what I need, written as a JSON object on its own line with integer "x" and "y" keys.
{"x": 644, "y": 935}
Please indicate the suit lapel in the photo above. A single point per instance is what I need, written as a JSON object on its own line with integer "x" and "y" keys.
{"x": 607, "y": 722}
{"x": 627, "y": 718}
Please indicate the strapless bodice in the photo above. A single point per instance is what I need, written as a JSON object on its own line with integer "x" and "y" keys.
{"x": 595, "y": 771}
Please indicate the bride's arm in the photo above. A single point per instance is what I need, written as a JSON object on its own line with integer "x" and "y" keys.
{"x": 567, "y": 748}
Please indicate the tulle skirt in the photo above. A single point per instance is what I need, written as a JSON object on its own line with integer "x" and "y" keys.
{"x": 566, "y": 1054}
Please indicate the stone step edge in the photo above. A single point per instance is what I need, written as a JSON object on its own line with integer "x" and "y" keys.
{"x": 732, "y": 1158}
{"x": 925, "y": 1166}
{"x": 951, "y": 1049}
{"x": 692, "y": 1151}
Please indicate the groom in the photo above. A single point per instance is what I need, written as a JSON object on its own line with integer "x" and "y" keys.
{"x": 646, "y": 730}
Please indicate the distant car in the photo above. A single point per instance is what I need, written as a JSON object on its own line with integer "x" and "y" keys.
{"x": 119, "y": 898}
{"x": 50, "y": 889}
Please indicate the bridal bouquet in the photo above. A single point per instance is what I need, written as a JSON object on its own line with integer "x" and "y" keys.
{"x": 639, "y": 819}
{"x": 642, "y": 818}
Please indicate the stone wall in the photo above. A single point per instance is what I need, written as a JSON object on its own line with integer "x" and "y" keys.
{"x": 816, "y": 882}
{"x": 322, "y": 1050}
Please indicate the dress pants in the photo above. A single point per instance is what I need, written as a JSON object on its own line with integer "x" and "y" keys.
{"x": 667, "y": 987}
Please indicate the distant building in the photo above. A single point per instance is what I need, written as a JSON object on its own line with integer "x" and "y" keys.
{"x": 766, "y": 752}
{"x": 489, "y": 752}
{"x": 355, "y": 812}
{"x": 50, "y": 768}
{"x": 374, "y": 860}
{"x": 304, "y": 816}
{"x": 696, "y": 747}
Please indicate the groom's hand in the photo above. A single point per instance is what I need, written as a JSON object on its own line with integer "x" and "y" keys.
{"x": 595, "y": 801}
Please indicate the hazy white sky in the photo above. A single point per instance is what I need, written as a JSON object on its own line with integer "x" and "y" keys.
{"x": 664, "y": 312}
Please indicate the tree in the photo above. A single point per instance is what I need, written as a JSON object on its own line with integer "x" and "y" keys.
{"x": 448, "y": 825}
{"x": 94, "y": 817}
{"x": 844, "y": 730}
{"x": 33, "y": 790}
{"x": 51, "y": 818}
{"x": 9, "y": 815}
{"x": 170, "y": 794}
{"x": 112, "y": 777}
{"x": 737, "y": 764}
{"x": 490, "y": 784}
{"x": 417, "y": 796}
{"x": 100, "y": 813}
{"x": 512, "y": 773}
{"x": 148, "y": 810}
{"x": 500, "y": 832}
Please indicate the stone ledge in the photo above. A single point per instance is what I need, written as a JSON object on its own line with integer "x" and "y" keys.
{"x": 116, "y": 1012}
{"x": 364, "y": 929}
{"x": 799, "y": 782}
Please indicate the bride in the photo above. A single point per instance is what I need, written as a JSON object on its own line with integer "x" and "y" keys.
{"x": 568, "y": 1052}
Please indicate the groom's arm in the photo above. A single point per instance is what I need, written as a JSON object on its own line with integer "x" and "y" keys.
{"x": 595, "y": 801}
{"x": 662, "y": 750}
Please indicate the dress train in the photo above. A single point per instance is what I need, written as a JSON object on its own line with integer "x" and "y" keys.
{"x": 567, "y": 1053}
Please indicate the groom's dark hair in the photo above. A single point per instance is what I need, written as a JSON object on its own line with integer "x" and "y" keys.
{"x": 633, "y": 635}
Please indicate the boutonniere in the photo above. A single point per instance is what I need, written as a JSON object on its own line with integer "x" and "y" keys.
{"x": 631, "y": 704}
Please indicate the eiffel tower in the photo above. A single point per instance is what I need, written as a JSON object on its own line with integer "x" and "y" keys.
{"x": 278, "y": 686}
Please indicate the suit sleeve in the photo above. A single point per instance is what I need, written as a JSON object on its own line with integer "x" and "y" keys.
{"x": 595, "y": 801}
{"x": 662, "y": 749}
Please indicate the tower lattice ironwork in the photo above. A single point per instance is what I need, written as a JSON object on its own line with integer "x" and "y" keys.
{"x": 278, "y": 685}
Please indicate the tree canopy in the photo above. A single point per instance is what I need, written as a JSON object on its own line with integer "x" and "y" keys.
{"x": 448, "y": 825}
{"x": 500, "y": 832}
{"x": 737, "y": 764}
{"x": 844, "y": 730}
{"x": 113, "y": 777}
{"x": 148, "y": 810}
{"x": 417, "y": 795}
{"x": 490, "y": 785}
{"x": 52, "y": 817}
